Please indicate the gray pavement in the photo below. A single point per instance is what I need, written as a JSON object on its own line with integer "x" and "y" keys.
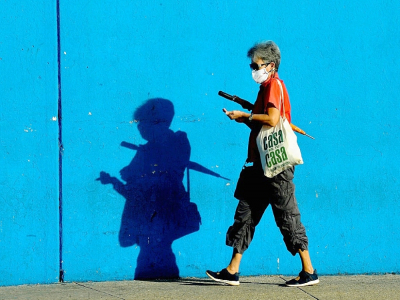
{"x": 260, "y": 287}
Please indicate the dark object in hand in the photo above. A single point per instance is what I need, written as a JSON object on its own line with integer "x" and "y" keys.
{"x": 244, "y": 103}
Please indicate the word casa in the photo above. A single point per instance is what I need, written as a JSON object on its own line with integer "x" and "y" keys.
{"x": 276, "y": 154}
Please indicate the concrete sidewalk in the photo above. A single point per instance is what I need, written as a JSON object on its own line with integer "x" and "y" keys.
{"x": 260, "y": 287}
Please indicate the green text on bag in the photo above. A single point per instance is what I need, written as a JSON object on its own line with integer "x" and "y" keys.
{"x": 273, "y": 139}
{"x": 274, "y": 156}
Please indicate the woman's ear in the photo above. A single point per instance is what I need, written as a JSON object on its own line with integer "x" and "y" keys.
{"x": 272, "y": 65}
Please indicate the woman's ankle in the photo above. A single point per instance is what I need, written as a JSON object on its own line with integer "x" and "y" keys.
{"x": 232, "y": 270}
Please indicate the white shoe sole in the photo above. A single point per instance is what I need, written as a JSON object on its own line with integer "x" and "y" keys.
{"x": 224, "y": 281}
{"x": 304, "y": 284}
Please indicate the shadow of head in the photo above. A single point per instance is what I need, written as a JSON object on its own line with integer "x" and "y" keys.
{"x": 154, "y": 117}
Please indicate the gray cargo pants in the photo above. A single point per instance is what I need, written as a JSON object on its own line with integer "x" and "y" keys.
{"x": 255, "y": 192}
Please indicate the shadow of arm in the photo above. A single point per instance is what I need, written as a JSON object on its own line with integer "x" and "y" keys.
{"x": 105, "y": 178}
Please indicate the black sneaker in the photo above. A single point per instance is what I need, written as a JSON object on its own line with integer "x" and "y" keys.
{"x": 305, "y": 279}
{"x": 224, "y": 276}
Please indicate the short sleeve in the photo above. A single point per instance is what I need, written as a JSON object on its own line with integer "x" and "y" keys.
{"x": 274, "y": 96}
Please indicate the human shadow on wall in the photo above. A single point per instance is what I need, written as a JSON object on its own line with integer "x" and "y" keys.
{"x": 157, "y": 210}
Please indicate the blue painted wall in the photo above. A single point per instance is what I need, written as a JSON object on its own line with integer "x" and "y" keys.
{"x": 339, "y": 63}
{"x": 29, "y": 239}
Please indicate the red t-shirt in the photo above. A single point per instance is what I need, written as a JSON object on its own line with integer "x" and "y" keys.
{"x": 269, "y": 95}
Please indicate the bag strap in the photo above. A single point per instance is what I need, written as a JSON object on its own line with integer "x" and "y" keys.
{"x": 282, "y": 99}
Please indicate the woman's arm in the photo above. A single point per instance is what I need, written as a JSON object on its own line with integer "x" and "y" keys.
{"x": 271, "y": 118}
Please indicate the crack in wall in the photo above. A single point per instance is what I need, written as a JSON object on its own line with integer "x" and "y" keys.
{"x": 60, "y": 143}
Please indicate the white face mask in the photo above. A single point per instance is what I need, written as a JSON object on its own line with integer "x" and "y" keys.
{"x": 260, "y": 76}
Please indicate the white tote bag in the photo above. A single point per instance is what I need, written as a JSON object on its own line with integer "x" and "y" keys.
{"x": 278, "y": 145}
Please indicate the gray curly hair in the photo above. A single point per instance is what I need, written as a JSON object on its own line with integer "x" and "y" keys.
{"x": 267, "y": 51}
